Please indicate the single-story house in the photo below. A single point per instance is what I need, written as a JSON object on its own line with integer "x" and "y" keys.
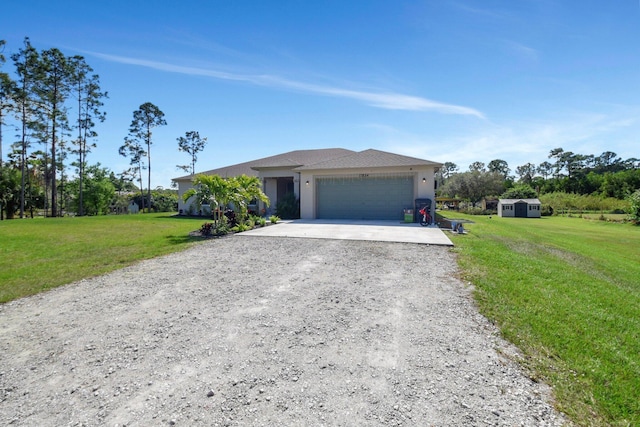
{"x": 336, "y": 183}
{"x": 519, "y": 208}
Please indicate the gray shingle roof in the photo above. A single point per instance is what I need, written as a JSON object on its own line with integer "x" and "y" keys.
{"x": 301, "y": 158}
{"x": 368, "y": 159}
{"x": 291, "y": 159}
{"x": 321, "y": 159}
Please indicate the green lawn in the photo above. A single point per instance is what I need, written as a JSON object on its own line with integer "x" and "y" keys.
{"x": 566, "y": 291}
{"x": 38, "y": 254}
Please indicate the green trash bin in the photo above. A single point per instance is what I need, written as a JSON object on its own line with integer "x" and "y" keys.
{"x": 408, "y": 215}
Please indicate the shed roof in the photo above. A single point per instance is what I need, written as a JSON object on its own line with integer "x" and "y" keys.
{"x": 512, "y": 201}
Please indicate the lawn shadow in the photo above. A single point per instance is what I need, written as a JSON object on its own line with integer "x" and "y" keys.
{"x": 182, "y": 217}
{"x": 183, "y": 240}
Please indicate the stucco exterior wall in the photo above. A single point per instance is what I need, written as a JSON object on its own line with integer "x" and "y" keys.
{"x": 183, "y": 186}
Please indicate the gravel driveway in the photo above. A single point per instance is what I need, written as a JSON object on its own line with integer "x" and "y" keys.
{"x": 259, "y": 331}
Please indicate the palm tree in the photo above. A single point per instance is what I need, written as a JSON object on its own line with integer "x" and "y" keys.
{"x": 218, "y": 192}
{"x": 247, "y": 188}
{"x": 210, "y": 190}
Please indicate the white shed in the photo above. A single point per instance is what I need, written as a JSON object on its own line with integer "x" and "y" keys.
{"x": 519, "y": 208}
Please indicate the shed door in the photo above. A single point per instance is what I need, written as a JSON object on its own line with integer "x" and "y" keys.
{"x": 521, "y": 209}
{"x": 363, "y": 197}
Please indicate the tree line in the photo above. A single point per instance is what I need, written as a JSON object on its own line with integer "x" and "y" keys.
{"x": 52, "y": 103}
{"x": 55, "y": 101}
{"x": 606, "y": 176}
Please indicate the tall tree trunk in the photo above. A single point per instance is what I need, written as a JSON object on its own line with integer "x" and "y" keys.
{"x": 81, "y": 184}
{"x": 46, "y": 183}
{"x": 149, "y": 176}
{"x": 80, "y": 155}
{"x": 149, "y": 163}
{"x": 23, "y": 150}
{"x": 54, "y": 187}
{"x": 0, "y": 142}
{"x": 141, "y": 189}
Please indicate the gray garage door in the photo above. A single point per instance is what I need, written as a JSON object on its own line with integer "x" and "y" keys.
{"x": 363, "y": 197}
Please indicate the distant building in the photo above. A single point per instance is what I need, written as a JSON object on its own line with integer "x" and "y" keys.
{"x": 519, "y": 208}
{"x": 489, "y": 204}
{"x": 133, "y": 208}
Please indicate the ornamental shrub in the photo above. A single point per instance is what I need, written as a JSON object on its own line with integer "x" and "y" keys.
{"x": 288, "y": 207}
{"x": 634, "y": 210}
{"x": 520, "y": 191}
{"x": 206, "y": 229}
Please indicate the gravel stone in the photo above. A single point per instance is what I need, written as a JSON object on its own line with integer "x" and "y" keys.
{"x": 261, "y": 331}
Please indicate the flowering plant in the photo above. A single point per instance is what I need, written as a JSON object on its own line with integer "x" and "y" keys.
{"x": 206, "y": 229}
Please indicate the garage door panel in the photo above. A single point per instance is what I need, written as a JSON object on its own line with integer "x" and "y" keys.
{"x": 363, "y": 197}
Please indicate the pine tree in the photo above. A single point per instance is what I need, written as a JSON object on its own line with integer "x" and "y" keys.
{"x": 147, "y": 117}
{"x": 53, "y": 88}
{"x": 86, "y": 88}
{"x": 26, "y": 62}
{"x": 132, "y": 148}
{"x": 192, "y": 144}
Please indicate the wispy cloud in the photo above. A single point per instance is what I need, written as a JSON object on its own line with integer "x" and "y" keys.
{"x": 518, "y": 142}
{"x": 524, "y": 52}
{"x": 479, "y": 11}
{"x": 531, "y": 141}
{"x": 386, "y": 100}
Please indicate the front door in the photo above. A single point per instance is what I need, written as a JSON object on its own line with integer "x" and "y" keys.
{"x": 285, "y": 186}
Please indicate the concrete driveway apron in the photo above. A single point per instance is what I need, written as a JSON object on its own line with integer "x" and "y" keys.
{"x": 380, "y": 231}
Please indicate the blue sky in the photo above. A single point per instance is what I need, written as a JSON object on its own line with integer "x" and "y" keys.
{"x": 458, "y": 81}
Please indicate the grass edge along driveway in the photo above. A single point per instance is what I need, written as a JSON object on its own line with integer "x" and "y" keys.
{"x": 566, "y": 291}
